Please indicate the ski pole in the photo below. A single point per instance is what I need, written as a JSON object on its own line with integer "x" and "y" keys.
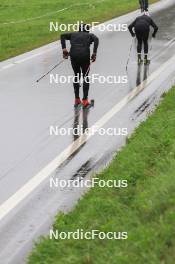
{"x": 129, "y": 54}
{"x": 50, "y": 70}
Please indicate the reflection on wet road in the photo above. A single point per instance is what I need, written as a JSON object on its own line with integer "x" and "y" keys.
{"x": 42, "y": 105}
{"x": 139, "y": 78}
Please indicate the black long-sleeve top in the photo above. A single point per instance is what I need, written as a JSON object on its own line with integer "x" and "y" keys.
{"x": 80, "y": 42}
{"x": 143, "y": 21}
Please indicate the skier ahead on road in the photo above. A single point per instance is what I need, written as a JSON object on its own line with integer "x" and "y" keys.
{"x": 80, "y": 58}
{"x": 141, "y": 26}
{"x": 143, "y": 5}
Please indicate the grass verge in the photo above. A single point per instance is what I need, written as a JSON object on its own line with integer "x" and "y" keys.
{"x": 145, "y": 209}
{"x": 18, "y": 35}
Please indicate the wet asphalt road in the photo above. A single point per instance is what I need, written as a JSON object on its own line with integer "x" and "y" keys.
{"x": 28, "y": 109}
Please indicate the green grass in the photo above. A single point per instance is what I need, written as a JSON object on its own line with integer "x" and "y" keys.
{"x": 146, "y": 209}
{"x": 20, "y": 37}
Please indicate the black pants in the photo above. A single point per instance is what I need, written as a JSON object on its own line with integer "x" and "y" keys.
{"x": 81, "y": 66}
{"x": 143, "y": 5}
{"x": 142, "y": 35}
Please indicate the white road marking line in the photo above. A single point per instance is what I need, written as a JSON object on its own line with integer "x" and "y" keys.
{"x": 34, "y": 55}
{"x": 41, "y": 53}
{"x": 25, "y": 59}
{"x": 8, "y": 66}
{"x": 33, "y": 183}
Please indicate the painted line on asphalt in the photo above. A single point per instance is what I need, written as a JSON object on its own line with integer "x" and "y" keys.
{"x": 10, "y": 65}
{"x": 26, "y": 59}
{"x": 41, "y": 53}
{"x": 39, "y": 178}
{"x": 29, "y": 57}
{"x": 7, "y": 66}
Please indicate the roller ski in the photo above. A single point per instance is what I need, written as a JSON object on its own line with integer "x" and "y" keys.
{"x": 139, "y": 60}
{"x": 146, "y": 60}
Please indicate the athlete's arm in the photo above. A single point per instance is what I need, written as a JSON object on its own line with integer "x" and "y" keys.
{"x": 64, "y": 37}
{"x": 95, "y": 40}
{"x": 155, "y": 27}
{"x": 131, "y": 26}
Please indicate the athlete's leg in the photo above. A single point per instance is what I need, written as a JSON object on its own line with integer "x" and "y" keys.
{"x": 77, "y": 72}
{"x": 145, "y": 5}
{"x": 85, "y": 70}
{"x": 141, "y": 2}
{"x": 145, "y": 41}
{"x": 146, "y": 47}
{"x": 139, "y": 36}
{"x": 139, "y": 44}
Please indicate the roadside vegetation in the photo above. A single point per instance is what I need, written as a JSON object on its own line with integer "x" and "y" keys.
{"x": 24, "y": 25}
{"x": 145, "y": 209}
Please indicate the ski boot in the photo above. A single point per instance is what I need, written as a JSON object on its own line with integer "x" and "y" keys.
{"x": 85, "y": 103}
{"x": 77, "y": 102}
{"x": 139, "y": 59}
{"x": 146, "y": 61}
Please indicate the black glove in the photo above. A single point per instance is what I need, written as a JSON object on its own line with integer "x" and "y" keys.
{"x": 133, "y": 35}
{"x": 65, "y": 54}
{"x": 153, "y": 35}
{"x": 93, "y": 57}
